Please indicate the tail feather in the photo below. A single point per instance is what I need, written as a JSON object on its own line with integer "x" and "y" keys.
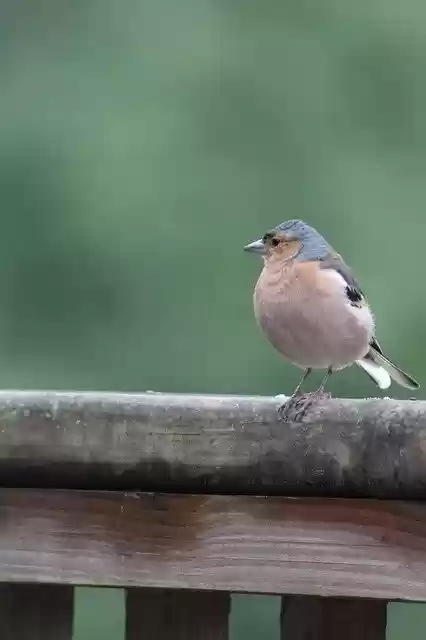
{"x": 379, "y": 361}
{"x": 376, "y": 373}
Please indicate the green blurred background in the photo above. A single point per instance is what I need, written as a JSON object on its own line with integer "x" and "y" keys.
{"x": 142, "y": 144}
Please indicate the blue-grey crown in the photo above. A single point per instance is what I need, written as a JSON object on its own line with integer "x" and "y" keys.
{"x": 299, "y": 228}
{"x": 313, "y": 245}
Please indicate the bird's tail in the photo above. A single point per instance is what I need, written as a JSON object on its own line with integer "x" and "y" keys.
{"x": 381, "y": 370}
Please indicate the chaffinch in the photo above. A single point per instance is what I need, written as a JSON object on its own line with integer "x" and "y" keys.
{"x": 311, "y": 308}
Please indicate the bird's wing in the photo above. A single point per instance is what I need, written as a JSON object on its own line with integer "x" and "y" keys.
{"x": 374, "y": 343}
{"x": 353, "y": 290}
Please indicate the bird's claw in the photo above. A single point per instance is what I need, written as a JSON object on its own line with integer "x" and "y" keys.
{"x": 297, "y": 406}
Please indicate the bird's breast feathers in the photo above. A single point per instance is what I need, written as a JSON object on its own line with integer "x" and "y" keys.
{"x": 310, "y": 316}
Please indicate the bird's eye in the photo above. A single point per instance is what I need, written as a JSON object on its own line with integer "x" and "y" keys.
{"x": 271, "y": 240}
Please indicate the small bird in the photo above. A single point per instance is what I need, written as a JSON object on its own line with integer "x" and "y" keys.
{"x": 311, "y": 308}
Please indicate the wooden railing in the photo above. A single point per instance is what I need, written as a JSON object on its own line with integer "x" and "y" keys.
{"x": 183, "y": 500}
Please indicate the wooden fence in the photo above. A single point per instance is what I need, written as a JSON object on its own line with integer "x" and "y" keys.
{"x": 183, "y": 500}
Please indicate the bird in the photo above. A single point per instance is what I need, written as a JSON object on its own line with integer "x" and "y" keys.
{"x": 309, "y": 304}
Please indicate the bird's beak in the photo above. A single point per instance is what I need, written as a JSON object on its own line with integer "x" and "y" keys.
{"x": 257, "y": 246}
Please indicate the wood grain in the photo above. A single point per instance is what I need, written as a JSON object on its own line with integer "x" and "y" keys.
{"x": 36, "y": 612}
{"x": 314, "y": 618}
{"x": 163, "y": 614}
{"x": 212, "y": 444}
{"x": 351, "y": 548}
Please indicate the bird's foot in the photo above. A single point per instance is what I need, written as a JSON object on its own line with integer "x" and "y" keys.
{"x": 298, "y": 405}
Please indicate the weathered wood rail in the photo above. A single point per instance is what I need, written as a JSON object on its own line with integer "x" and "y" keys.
{"x": 183, "y": 500}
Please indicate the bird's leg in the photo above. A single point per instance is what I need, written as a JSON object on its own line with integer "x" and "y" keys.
{"x": 284, "y": 408}
{"x": 307, "y": 372}
{"x": 320, "y": 389}
{"x": 298, "y": 405}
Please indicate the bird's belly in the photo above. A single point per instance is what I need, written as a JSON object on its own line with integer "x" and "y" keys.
{"x": 325, "y": 334}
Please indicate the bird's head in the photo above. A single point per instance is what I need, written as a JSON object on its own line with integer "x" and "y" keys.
{"x": 289, "y": 240}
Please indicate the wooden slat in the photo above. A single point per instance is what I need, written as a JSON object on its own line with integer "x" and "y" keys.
{"x": 36, "y": 612}
{"x": 350, "y": 548}
{"x": 160, "y": 614}
{"x": 314, "y": 618}
{"x": 216, "y": 444}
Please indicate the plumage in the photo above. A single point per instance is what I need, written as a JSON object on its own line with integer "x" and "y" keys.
{"x": 376, "y": 373}
{"x": 308, "y": 318}
{"x": 398, "y": 375}
{"x": 310, "y": 305}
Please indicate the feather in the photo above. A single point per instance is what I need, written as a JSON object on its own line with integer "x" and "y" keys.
{"x": 377, "y": 374}
{"x": 375, "y": 363}
{"x": 353, "y": 290}
{"x": 397, "y": 374}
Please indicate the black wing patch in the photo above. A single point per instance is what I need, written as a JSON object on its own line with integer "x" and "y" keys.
{"x": 354, "y": 296}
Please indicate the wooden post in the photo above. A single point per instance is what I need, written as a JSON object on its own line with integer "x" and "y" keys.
{"x": 171, "y": 614}
{"x": 315, "y": 618}
{"x": 36, "y": 612}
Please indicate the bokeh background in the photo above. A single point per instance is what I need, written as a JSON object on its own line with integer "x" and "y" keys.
{"x": 142, "y": 144}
